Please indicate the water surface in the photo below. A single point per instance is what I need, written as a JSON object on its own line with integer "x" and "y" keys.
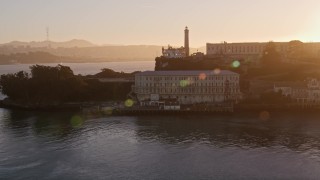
{"x": 39, "y": 145}
{"x": 87, "y": 68}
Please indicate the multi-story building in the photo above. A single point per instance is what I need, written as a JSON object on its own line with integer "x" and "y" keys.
{"x": 254, "y": 50}
{"x": 308, "y": 94}
{"x": 187, "y": 87}
{"x": 242, "y": 50}
{"x": 171, "y": 52}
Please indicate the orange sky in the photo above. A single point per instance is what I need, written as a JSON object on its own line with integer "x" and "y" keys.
{"x": 160, "y": 22}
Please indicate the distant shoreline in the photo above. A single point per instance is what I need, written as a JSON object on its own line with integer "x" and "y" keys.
{"x": 81, "y": 62}
{"x": 80, "y": 106}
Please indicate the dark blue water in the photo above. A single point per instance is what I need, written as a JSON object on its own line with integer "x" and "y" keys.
{"x": 37, "y": 145}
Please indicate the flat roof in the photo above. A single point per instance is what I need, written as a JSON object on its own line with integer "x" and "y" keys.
{"x": 260, "y": 43}
{"x": 246, "y": 43}
{"x": 186, "y": 73}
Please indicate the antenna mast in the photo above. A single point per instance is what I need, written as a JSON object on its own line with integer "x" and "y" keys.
{"x": 48, "y": 40}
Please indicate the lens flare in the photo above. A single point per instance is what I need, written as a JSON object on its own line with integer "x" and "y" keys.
{"x": 76, "y": 121}
{"x": 216, "y": 71}
{"x": 184, "y": 83}
{"x": 202, "y": 76}
{"x": 235, "y": 64}
{"x": 129, "y": 103}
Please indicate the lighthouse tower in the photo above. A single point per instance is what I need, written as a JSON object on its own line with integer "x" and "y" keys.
{"x": 186, "y": 40}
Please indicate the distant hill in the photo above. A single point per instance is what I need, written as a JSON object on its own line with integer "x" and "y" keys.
{"x": 52, "y": 44}
{"x": 81, "y": 50}
{"x": 29, "y": 58}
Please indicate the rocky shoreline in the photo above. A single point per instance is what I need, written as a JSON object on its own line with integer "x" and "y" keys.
{"x": 8, "y": 104}
{"x": 119, "y": 110}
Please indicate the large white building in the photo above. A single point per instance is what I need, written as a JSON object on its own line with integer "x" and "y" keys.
{"x": 187, "y": 87}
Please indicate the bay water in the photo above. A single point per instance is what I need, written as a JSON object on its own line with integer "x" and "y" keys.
{"x": 74, "y": 145}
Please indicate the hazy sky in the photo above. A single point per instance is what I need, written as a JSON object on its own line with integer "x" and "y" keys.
{"x": 160, "y": 22}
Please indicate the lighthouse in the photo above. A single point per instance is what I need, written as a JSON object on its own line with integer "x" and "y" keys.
{"x": 186, "y": 40}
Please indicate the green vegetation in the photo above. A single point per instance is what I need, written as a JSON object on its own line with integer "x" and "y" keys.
{"x": 52, "y": 85}
{"x": 205, "y": 63}
{"x": 109, "y": 73}
{"x": 274, "y": 98}
{"x": 269, "y": 97}
{"x": 271, "y": 57}
{"x": 273, "y": 68}
{"x": 295, "y": 49}
{"x": 165, "y": 64}
{"x": 283, "y": 72}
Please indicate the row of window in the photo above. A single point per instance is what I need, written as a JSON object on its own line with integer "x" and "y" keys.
{"x": 240, "y": 49}
{"x": 198, "y": 98}
{"x": 187, "y": 90}
{"x": 193, "y": 78}
{"x": 257, "y": 49}
{"x": 183, "y": 84}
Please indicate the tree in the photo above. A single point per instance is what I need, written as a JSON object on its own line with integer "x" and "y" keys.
{"x": 271, "y": 57}
{"x": 274, "y": 98}
{"x": 295, "y": 49}
{"x": 52, "y": 85}
{"x": 15, "y": 85}
{"x": 109, "y": 73}
{"x": 55, "y": 83}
